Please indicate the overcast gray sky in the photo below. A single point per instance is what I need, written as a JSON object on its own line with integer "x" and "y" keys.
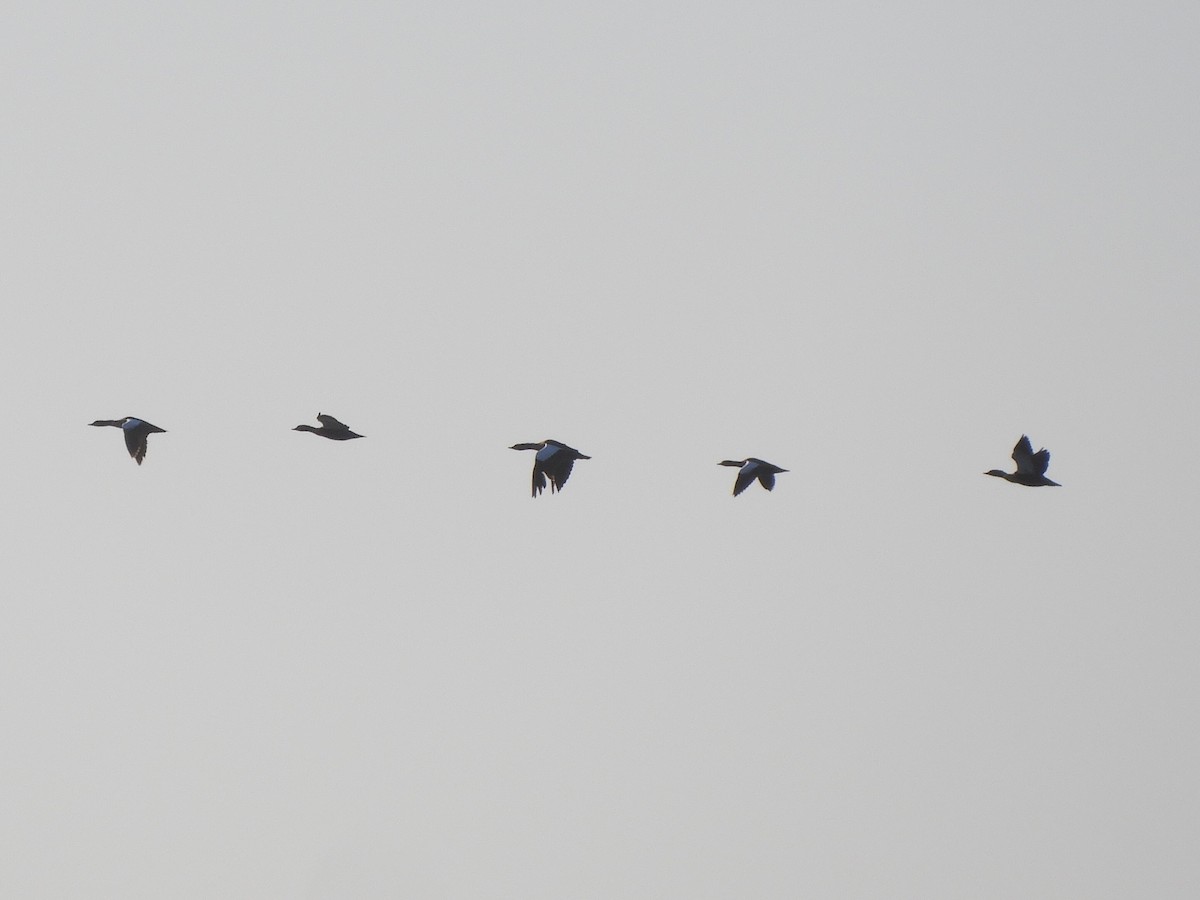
{"x": 872, "y": 244}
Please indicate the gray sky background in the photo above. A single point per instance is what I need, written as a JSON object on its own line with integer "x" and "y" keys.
{"x": 871, "y": 244}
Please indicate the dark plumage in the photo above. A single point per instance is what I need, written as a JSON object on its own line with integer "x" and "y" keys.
{"x": 553, "y": 461}
{"x": 330, "y": 428}
{"x": 136, "y": 434}
{"x": 1031, "y": 467}
{"x": 751, "y": 469}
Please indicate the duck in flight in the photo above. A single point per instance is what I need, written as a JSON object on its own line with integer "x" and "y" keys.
{"x": 330, "y": 428}
{"x": 553, "y": 460}
{"x": 1031, "y": 467}
{"x": 751, "y": 469}
{"x": 136, "y": 433}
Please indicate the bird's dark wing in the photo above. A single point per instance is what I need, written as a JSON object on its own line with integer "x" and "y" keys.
{"x": 135, "y": 442}
{"x": 559, "y": 470}
{"x": 1023, "y": 456}
{"x": 331, "y": 423}
{"x": 745, "y": 478}
{"x": 767, "y": 479}
{"x": 539, "y": 478}
{"x": 1041, "y": 461}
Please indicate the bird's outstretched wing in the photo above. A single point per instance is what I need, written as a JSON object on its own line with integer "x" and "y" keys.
{"x": 135, "y": 442}
{"x": 559, "y": 470}
{"x": 745, "y": 478}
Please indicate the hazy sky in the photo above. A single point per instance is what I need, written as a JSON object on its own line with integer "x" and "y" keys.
{"x": 873, "y": 244}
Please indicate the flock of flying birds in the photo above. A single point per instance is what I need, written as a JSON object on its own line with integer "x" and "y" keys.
{"x": 554, "y": 460}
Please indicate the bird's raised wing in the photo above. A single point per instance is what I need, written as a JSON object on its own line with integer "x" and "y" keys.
{"x": 1024, "y": 458}
{"x": 331, "y": 423}
{"x": 1041, "y": 461}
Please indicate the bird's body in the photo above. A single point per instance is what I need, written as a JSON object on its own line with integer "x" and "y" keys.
{"x": 554, "y": 461}
{"x": 330, "y": 428}
{"x": 1031, "y": 467}
{"x": 752, "y": 469}
{"x": 136, "y": 432}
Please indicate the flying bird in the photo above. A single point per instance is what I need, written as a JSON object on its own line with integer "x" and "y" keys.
{"x": 1031, "y": 467}
{"x": 330, "y": 428}
{"x": 553, "y": 461}
{"x": 751, "y": 469}
{"x": 136, "y": 434}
